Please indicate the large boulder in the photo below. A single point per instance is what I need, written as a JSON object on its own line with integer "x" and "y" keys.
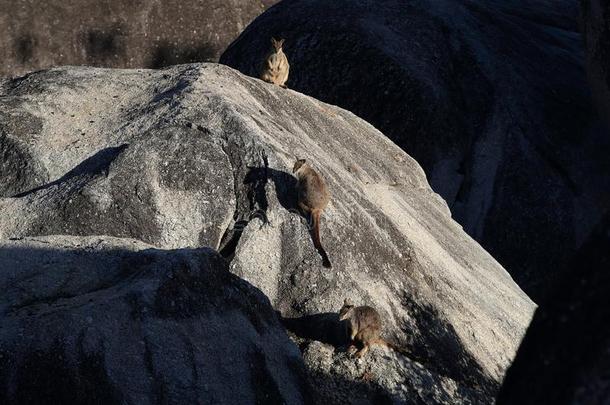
{"x": 490, "y": 97}
{"x": 40, "y": 34}
{"x": 108, "y": 321}
{"x": 565, "y": 355}
{"x": 595, "y": 20}
{"x": 200, "y": 155}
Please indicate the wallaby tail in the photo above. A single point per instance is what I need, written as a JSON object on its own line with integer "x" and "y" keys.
{"x": 396, "y": 348}
{"x": 315, "y": 217}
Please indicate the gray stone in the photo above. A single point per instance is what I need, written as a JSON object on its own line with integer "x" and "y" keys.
{"x": 106, "y": 320}
{"x": 121, "y": 34}
{"x": 200, "y": 155}
{"x": 490, "y": 98}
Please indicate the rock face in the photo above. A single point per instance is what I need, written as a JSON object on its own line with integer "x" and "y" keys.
{"x": 596, "y": 28}
{"x": 105, "y": 320}
{"x": 565, "y": 356}
{"x": 200, "y": 155}
{"x": 489, "y": 97}
{"x": 40, "y": 34}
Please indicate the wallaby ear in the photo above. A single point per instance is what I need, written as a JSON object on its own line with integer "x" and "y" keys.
{"x": 280, "y": 43}
{"x": 347, "y": 302}
{"x": 298, "y": 164}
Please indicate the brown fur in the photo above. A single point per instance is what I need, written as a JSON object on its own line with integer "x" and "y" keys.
{"x": 313, "y": 197}
{"x": 364, "y": 329}
{"x": 275, "y": 67}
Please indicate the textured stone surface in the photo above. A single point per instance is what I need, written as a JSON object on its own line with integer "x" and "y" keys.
{"x": 112, "y": 33}
{"x": 200, "y": 155}
{"x": 490, "y": 98}
{"x": 565, "y": 355}
{"x": 106, "y": 320}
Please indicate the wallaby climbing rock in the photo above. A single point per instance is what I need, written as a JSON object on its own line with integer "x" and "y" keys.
{"x": 364, "y": 329}
{"x": 313, "y": 198}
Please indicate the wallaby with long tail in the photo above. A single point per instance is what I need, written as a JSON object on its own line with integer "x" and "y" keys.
{"x": 275, "y": 67}
{"x": 313, "y": 197}
{"x": 364, "y": 329}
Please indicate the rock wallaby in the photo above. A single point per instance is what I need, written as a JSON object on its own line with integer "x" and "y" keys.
{"x": 364, "y": 329}
{"x": 275, "y": 67}
{"x": 313, "y": 197}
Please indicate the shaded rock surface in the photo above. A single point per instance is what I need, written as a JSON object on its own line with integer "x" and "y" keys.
{"x": 595, "y": 20}
{"x": 565, "y": 355}
{"x": 490, "y": 97}
{"x": 200, "y": 155}
{"x": 106, "y": 320}
{"x": 111, "y": 33}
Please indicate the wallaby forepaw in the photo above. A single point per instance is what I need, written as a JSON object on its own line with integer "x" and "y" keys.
{"x": 352, "y": 350}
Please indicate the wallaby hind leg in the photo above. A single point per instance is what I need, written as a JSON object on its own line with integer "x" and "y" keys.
{"x": 304, "y": 210}
{"x": 362, "y": 351}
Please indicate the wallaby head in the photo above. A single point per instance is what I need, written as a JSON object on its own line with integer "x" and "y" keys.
{"x": 277, "y": 44}
{"x": 346, "y": 310}
{"x": 298, "y": 164}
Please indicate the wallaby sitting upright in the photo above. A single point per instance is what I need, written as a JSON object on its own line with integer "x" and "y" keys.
{"x": 364, "y": 329}
{"x": 275, "y": 67}
{"x": 313, "y": 198}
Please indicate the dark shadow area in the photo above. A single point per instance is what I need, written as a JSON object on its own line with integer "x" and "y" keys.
{"x": 255, "y": 182}
{"x": 47, "y": 377}
{"x": 230, "y": 240}
{"x": 102, "y": 45}
{"x": 181, "y": 85}
{"x": 93, "y": 165}
{"x": 24, "y": 48}
{"x": 333, "y": 389}
{"x": 166, "y": 55}
{"x": 252, "y": 201}
{"x": 266, "y": 389}
{"x": 325, "y": 260}
{"x": 565, "y": 355}
{"x": 88, "y": 296}
{"x": 285, "y": 186}
{"x": 325, "y": 327}
{"x": 255, "y": 197}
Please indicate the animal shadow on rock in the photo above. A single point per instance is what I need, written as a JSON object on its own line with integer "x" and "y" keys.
{"x": 285, "y": 186}
{"x": 95, "y": 164}
{"x": 324, "y": 327}
{"x": 287, "y": 194}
